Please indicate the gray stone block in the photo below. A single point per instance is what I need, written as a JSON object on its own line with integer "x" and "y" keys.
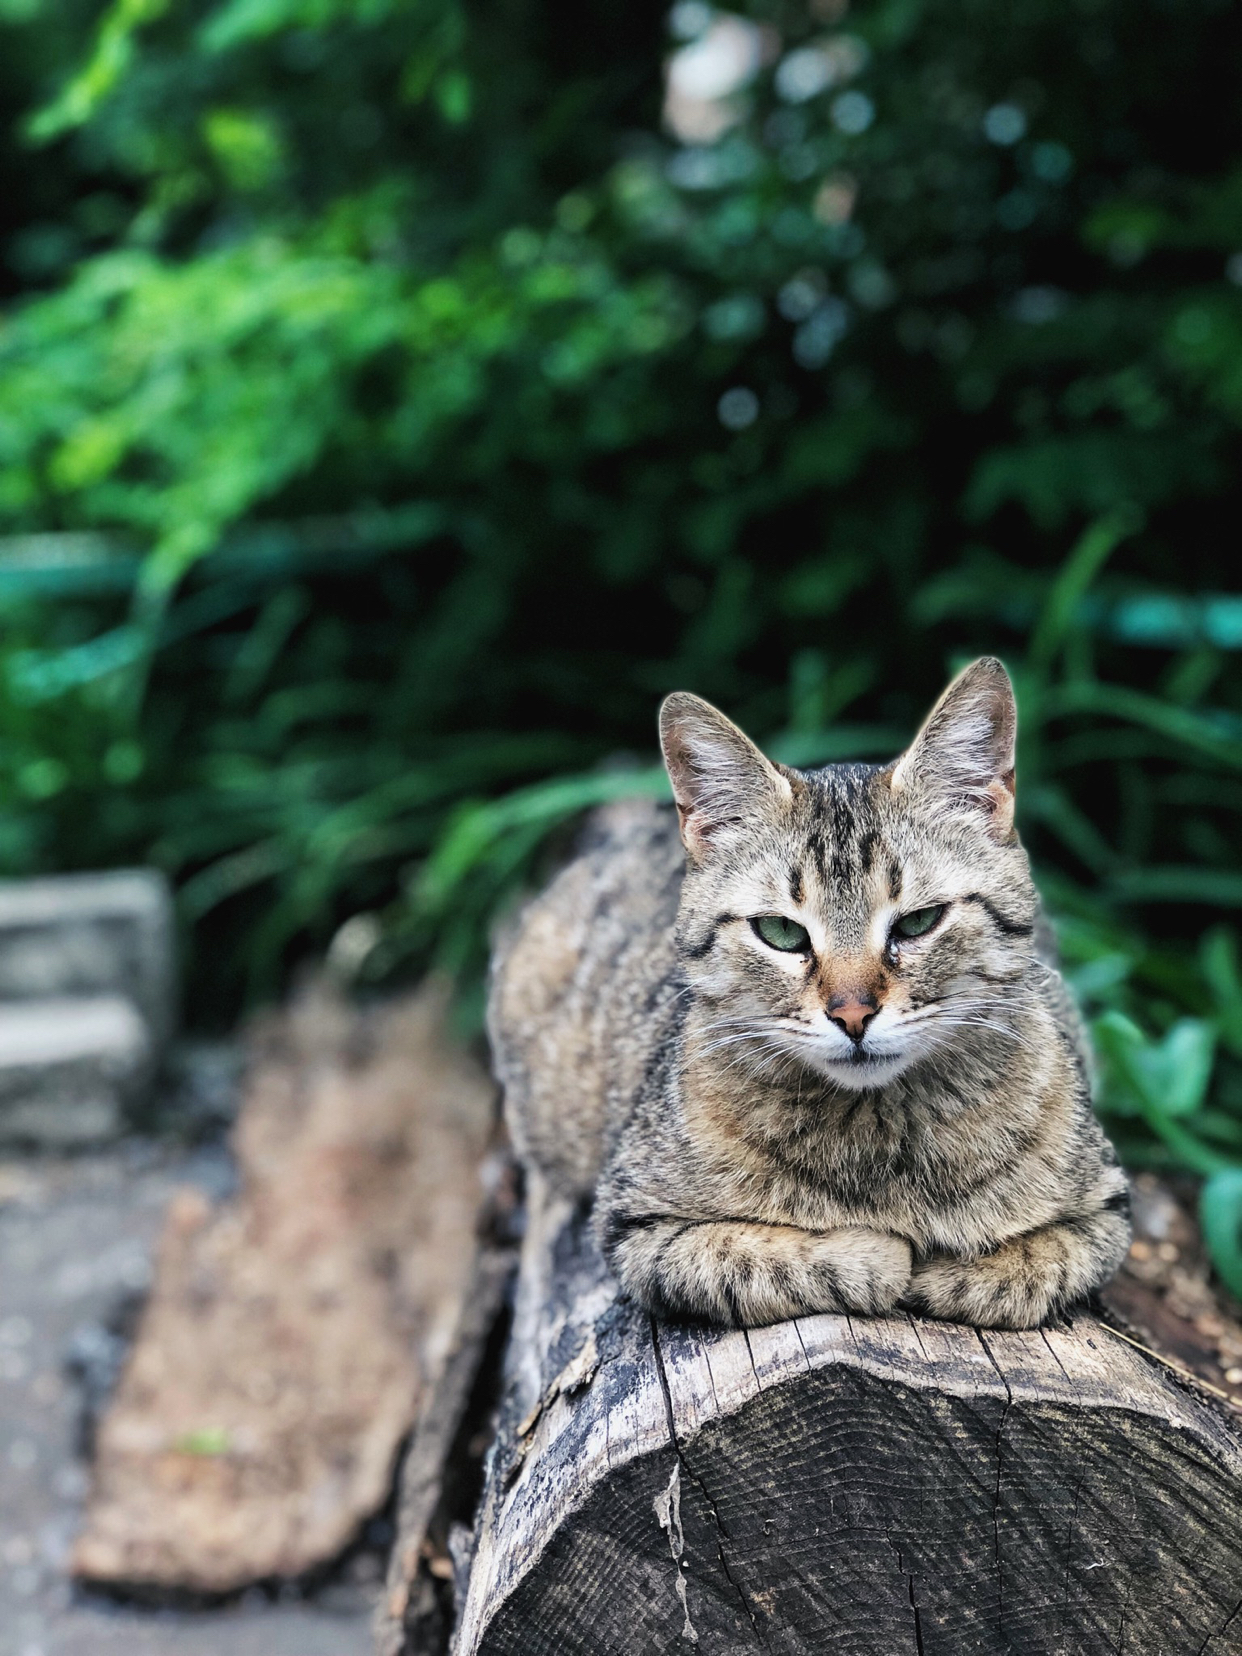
{"x": 91, "y": 934}
{"x": 69, "y": 1068}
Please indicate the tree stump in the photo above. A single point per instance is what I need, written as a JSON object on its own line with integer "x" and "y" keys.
{"x": 841, "y": 1484}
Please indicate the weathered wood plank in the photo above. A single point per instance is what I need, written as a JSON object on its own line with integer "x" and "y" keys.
{"x": 294, "y": 1330}
{"x": 410, "y": 1617}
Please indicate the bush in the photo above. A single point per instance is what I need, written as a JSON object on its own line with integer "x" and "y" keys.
{"x": 391, "y": 409}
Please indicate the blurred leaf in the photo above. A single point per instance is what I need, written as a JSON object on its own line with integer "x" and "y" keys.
{"x": 246, "y": 145}
{"x": 207, "y": 1441}
{"x": 1219, "y": 955}
{"x": 1217, "y": 734}
{"x": 479, "y": 829}
{"x": 1220, "y": 1214}
{"x": 1163, "y": 1081}
{"x": 1220, "y": 887}
{"x": 98, "y": 78}
{"x": 1073, "y": 579}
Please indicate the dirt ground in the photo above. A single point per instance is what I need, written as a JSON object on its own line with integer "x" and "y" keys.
{"x": 75, "y": 1245}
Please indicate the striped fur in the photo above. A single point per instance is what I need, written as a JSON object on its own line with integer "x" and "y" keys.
{"x": 870, "y": 1122}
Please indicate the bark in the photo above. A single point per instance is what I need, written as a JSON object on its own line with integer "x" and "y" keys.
{"x": 836, "y": 1484}
{"x": 436, "y": 1488}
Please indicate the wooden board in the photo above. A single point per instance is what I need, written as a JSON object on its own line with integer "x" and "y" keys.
{"x": 293, "y": 1332}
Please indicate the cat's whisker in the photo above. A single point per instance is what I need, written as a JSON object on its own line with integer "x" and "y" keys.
{"x": 761, "y": 1060}
{"x": 731, "y": 1023}
{"x": 742, "y": 1029}
{"x": 946, "y": 1025}
{"x": 747, "y": 1037}
{"x": 1000, "y": 1007}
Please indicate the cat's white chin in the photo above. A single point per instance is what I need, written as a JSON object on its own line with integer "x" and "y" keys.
{"x": 863, "y": 1071}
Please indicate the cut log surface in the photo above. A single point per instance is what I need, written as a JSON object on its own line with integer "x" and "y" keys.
{"x": 841, "y": 1484}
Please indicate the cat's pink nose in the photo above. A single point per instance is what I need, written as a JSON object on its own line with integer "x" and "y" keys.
{"x": 852, "y": 1014}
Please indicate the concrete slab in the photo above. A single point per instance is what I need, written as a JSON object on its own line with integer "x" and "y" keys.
{"x": 91, "y": 934}
{"x": 69, "y": 1067}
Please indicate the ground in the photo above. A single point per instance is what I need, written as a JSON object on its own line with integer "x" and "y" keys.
{"x": 76, "y": 1237}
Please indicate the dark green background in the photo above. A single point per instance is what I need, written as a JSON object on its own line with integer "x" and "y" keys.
{"x": 366, "y": 477}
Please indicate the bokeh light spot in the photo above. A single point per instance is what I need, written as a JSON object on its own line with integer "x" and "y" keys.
{"x": 738, "y": 408}
{"x": 1004, "y": 124}
{"x": 852, "y": 113}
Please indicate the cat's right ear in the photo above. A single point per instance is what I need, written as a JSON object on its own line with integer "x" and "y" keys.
{"x": 720, "y": 779}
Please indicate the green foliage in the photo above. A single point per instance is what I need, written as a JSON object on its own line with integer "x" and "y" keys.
{"x": 391, "y": 409}
{"x": 1220, "y": 1213}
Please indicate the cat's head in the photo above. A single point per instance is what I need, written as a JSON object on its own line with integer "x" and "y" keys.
{"x": 855, "y": 919}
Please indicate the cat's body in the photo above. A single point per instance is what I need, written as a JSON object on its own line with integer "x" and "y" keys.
{"x": 849, "y": 1118}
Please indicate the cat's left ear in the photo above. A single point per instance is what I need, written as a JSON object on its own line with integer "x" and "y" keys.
{"x": 964, "y": 754}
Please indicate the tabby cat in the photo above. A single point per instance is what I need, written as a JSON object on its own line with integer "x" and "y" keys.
{"x": 812, "y": 1054}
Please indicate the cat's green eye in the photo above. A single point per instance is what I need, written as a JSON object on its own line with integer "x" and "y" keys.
{"x": 779, "y": 933}
{"x": 918, "y": 922}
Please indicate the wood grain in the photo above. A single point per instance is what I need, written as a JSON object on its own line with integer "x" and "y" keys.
{"x": 842, "y": 1485}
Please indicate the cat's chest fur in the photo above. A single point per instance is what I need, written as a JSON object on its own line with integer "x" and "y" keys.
{"x": 911, "y": 1161}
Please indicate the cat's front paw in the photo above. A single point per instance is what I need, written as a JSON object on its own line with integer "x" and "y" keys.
{"x": 855, "y": 1269}
{"x": 1027, "y": 1280}
{"x": 1001, "y": 1290}
{"x": 968, "y": 1291}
